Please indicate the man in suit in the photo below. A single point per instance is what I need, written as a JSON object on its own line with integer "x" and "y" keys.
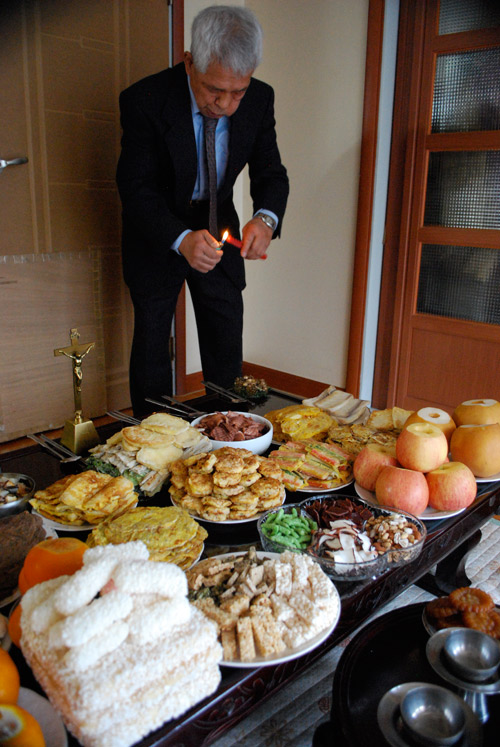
{"x": 163, "y": 183}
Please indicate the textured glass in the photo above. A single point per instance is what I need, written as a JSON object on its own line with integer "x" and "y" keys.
{"x": 460, "y": 282}
{"x": 468, "y": 15}
{"x": 467, "y": 91}
{"x": 463, "y": 190}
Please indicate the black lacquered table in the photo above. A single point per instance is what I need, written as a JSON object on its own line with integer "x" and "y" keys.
{"x": 241, "y": 690}
{"x": 388, "y": 652}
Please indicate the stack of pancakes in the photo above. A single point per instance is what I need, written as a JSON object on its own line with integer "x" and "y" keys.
{"x": 170, "y": 534}
{"x": 226, "y": 484}
{"x": 296, "y": 422}
{"x": 382, "y": 427}
{"x": 88, "y": 497}
{"x": 117, "y": 647}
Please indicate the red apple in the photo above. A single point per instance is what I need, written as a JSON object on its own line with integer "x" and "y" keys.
{"x": 369, "y": 463}
{"x": 452, "y": 486}
{"x": 422, "y": 447}
{"x": 403, "y": 489}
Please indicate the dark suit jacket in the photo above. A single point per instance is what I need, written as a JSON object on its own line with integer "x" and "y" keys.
{"x": 157, "y": 172}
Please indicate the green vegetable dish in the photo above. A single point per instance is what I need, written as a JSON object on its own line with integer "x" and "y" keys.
{"x": 292, "y": 529}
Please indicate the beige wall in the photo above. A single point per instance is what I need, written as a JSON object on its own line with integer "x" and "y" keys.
{"x": 297, "y": 303}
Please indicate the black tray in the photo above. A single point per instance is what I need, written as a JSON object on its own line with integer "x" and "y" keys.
{"x": 387, "y": 652}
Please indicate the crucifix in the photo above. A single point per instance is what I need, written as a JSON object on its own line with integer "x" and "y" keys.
{"x": 78, "y": 434}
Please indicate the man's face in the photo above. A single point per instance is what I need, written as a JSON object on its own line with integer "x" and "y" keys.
{"x": 218, "y": 92}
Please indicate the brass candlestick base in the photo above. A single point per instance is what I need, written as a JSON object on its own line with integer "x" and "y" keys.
{"x": 79, "y": 435}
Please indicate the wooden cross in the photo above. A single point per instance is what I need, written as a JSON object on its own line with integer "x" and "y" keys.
{"x": 77, "y": 353}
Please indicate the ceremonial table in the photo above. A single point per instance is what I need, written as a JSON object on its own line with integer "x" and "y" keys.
{"x": 241, "y": 689}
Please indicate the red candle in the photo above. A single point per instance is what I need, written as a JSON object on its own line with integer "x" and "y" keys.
{"x": 235, "y": 242}
{"x": 228, "y": 239}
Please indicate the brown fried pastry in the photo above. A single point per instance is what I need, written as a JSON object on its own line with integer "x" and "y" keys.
{"x": 471, "y": 599}
{"x": 441, "y": 607}
{"x": 238, "y": 486}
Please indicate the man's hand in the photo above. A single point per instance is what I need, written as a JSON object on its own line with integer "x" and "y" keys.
{"x": 201, "y": 250}
{"x": 256, "y": 239}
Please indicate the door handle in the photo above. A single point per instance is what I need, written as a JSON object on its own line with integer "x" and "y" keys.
{"x": 12, "y": 162}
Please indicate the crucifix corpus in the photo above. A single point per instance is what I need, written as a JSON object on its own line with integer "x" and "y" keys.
{"x": 79, "y": 434}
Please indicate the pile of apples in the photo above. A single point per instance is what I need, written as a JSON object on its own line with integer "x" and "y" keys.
{"x": 418, "y": 473}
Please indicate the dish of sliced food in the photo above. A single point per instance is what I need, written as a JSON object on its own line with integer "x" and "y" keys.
{"x": 269, "y": 608}
{"x": 143, "y": 453}
{"x": 311, "y": 464}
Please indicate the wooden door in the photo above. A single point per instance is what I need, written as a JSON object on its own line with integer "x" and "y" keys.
{"x": 62, "y": 66}
{"x": 439, "y": 330}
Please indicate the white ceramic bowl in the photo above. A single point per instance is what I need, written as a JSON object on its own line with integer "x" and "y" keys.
{"x": 256, "y": 445}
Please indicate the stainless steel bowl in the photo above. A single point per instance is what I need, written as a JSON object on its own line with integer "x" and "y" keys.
{"x": 433, "y": 715}
{"x": 472, "y": 655}
{"x": 20, "y": 504}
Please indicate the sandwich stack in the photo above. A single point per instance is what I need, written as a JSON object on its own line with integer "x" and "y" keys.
{"x": 117, "y": 647}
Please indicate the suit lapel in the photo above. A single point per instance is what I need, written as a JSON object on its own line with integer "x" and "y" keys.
{"x": 179, "y": 137}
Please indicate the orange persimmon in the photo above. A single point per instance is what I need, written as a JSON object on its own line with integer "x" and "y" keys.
{"x": 53, "y": 557}
{"x": 18, "y": 728}
{"x": 14, "y": 625}
{"x": 9, "y": 679}
{"x": 22, "y": 583}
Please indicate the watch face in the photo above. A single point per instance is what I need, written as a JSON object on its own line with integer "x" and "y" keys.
{"x": 268, "y": 220}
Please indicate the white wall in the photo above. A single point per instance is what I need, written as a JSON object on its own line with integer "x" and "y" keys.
{"x": 297, "y": 302}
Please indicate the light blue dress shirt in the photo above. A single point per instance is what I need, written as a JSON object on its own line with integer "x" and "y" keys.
{"x": 200, "y": 191}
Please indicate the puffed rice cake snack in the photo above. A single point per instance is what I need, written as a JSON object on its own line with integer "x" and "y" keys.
{"x": 117, "y": 647}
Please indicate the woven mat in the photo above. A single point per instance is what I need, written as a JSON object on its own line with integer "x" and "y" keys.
{"x": 290, "y": 718}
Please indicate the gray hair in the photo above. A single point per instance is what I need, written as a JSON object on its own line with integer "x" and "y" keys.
{"x": 228, "y": 35}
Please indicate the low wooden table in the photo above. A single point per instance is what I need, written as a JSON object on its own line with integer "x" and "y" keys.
{"x": 241, "y": 690}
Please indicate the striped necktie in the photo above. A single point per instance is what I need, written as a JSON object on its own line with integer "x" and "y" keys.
{"x": 209, "y": 128}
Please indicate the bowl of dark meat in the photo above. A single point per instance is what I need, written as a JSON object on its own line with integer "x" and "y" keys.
{"x": 241, "y": 430}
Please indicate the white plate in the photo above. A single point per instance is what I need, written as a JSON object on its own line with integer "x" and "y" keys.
{"x": 60, "y": 527}
{"x": 201, "y": 520}
{"x": 51, "y": 723}
{"x": 493, "y": 478}
{"x": 322, "y": 490}
{"x": 289, "y": 653}
{"x": 430, "y": 514}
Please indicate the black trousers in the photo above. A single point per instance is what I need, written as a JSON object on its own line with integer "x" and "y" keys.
{"x": 218, "y": 308}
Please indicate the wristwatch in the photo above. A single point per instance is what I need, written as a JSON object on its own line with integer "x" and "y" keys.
{"x": 267, "y": 220}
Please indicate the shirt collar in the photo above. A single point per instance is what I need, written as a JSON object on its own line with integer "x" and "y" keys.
{"x": 194, "y": 106}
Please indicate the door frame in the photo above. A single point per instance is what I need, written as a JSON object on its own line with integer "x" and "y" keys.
{"x": 179, "y": 327}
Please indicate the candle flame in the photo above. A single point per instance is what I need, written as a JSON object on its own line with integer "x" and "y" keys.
{"x": 225, "y": 235}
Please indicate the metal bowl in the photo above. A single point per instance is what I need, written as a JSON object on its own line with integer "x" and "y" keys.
{"x": 474, "y": 656}
{"x": 433, "y": 715}
{"x": 19, "y": 504}
{"x": 256, "y": 445}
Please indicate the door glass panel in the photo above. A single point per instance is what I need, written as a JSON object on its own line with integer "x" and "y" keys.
{"x": 467, "y": 91}
{"x": 467, "y": 15}
{"x": 463, "y": 190}
{"x": 460, "y": 282}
